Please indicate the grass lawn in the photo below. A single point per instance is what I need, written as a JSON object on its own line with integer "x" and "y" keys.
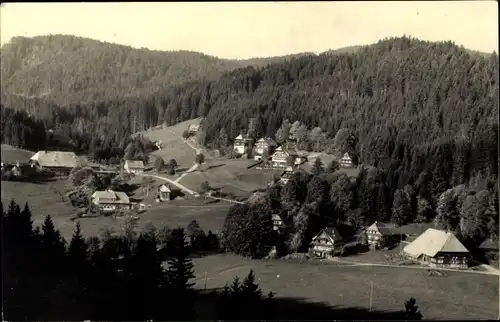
{"x": 454, "y": 296}
{"x": 11, "y": 154}
{"x": 45, "y": 199}
{"x": 231, "y": 176}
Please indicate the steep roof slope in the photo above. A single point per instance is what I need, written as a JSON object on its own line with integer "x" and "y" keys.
{"x": 434, "y": 241}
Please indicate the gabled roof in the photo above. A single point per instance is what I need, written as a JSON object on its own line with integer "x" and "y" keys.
{"x": 164, "y": 188}
{"x": 137, "y": 164}
{"x": 268, "y": 141}
{"x": 112, "y": 196}
{"x": 434, "y": 241}
{"x": 346, "y": 156}
{"x": 489, "y": 244}
{"x": 331, "y": 232}
{"x": 243, "y": 137}
{"x": 56, "y": 159}
{"x": 276, "y": 217}
{"x": 382, "y": 228}
{"x": 288, "y": 152}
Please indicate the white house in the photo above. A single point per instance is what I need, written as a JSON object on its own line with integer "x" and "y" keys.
{"x": 110, "y": 200}
{"x": 134, "y": 166}
{"x": 346, "y": 161}
{"x": 286, "y": 175}
{"x": 277, "y": 222}
{"x": 280, "y": 157}
{"x": 265, "y": 144}
{"x": 242, "y": 143}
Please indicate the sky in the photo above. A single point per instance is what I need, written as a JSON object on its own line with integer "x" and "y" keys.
{"x": 239, "y": 30}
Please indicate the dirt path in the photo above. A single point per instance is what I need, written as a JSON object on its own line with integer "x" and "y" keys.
{"x": 177, "y": 184}
{"x": 194, "y": 167}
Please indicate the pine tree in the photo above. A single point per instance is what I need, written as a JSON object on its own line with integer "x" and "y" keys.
{"x": 251, "y": 296}
{"x": 411, "y": 311}
{"x": 53, "y": 248}
{"x": 317, "y": 167}
{"x": 180, "y": 273}
{"x": 333, "y": 166}
{"x": 78, "y": 254}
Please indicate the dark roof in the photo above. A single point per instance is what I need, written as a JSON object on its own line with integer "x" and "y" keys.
{"x": 383, "y": 228}
{"x": 489, "y": 244}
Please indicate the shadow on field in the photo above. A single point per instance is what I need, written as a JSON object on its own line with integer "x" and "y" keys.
{"x": 215, "y": 166}
{"x": 296, "y": 309}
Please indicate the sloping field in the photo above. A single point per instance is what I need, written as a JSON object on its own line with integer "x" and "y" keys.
{"x": 47, "y": 199}
{"x": 11, "y": 154}
{"x": 454, "y": 296}
{"x": 173, "y": 146}
{"x": 231, "y": 176}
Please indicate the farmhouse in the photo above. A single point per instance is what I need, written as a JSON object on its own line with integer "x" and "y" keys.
{"x": 164, "y": 193}
{"x": 286, "y": 175}
{"x": 265, "y": 144}
{"x": 277, "y": 222}
{"x": 380, "y": 235}
{"x": 193, "y": 128}
{"x": 110, "y": 200}
{"x": 489, "y": 245}
{"x": 242, "y": 143}
{"x": 134, "y": 166}
{"x": 346, "y": 161}
{"x": 438, "y": 248}
{"x": 56, "y": 161}
{"x": 326, "y": 243}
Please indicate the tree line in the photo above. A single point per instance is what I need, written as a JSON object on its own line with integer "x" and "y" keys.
{"x": 121, "y": 277}
{"x": 326, "y": 197}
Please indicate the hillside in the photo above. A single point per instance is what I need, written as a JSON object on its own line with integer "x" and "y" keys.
{"x": 69, "y": 69}
{"x": 405, "y": 106}
{"x": 72, "y": 69}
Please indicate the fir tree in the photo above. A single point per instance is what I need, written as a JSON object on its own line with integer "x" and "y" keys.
{"x": 180, "y": 273}
{"x": 411, "y": 311}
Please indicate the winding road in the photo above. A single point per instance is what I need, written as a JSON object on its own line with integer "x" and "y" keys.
{"x": 177, "y": 183}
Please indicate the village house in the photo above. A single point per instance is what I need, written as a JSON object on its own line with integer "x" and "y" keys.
{"x": 280, "y": 157}
{"x": 286, "y": 175}
{"x": 56, "y": 161}
{"x": 242, "y": 143}
{"x": 326, "y": 243}
{"x": 265, "y": 144}
{"x": 110, "y": 200}
{"x": 346, "y": 161}
{"x": 380, "y": 235}
{"x": 193, "y": 129}
{"x": 438, "y": 248}
{"x": 164, "y": 193}
{"x": 134, "y": 166}
{"x": 277, "y": 223}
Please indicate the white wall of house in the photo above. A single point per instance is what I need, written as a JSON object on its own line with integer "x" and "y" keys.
{"x": 240, "y": 149}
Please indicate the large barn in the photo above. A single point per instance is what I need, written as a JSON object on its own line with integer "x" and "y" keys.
{"x": 58, "y": 161}
{"x": 438, "y": 248}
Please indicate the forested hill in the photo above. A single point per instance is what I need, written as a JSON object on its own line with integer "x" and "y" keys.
{"x": 69, "y": 69}
{"x": 405, "y": 104}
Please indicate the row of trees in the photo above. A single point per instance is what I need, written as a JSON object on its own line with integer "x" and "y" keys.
{"x": 118, "y": 277}
{"x": 327, "y": 197}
